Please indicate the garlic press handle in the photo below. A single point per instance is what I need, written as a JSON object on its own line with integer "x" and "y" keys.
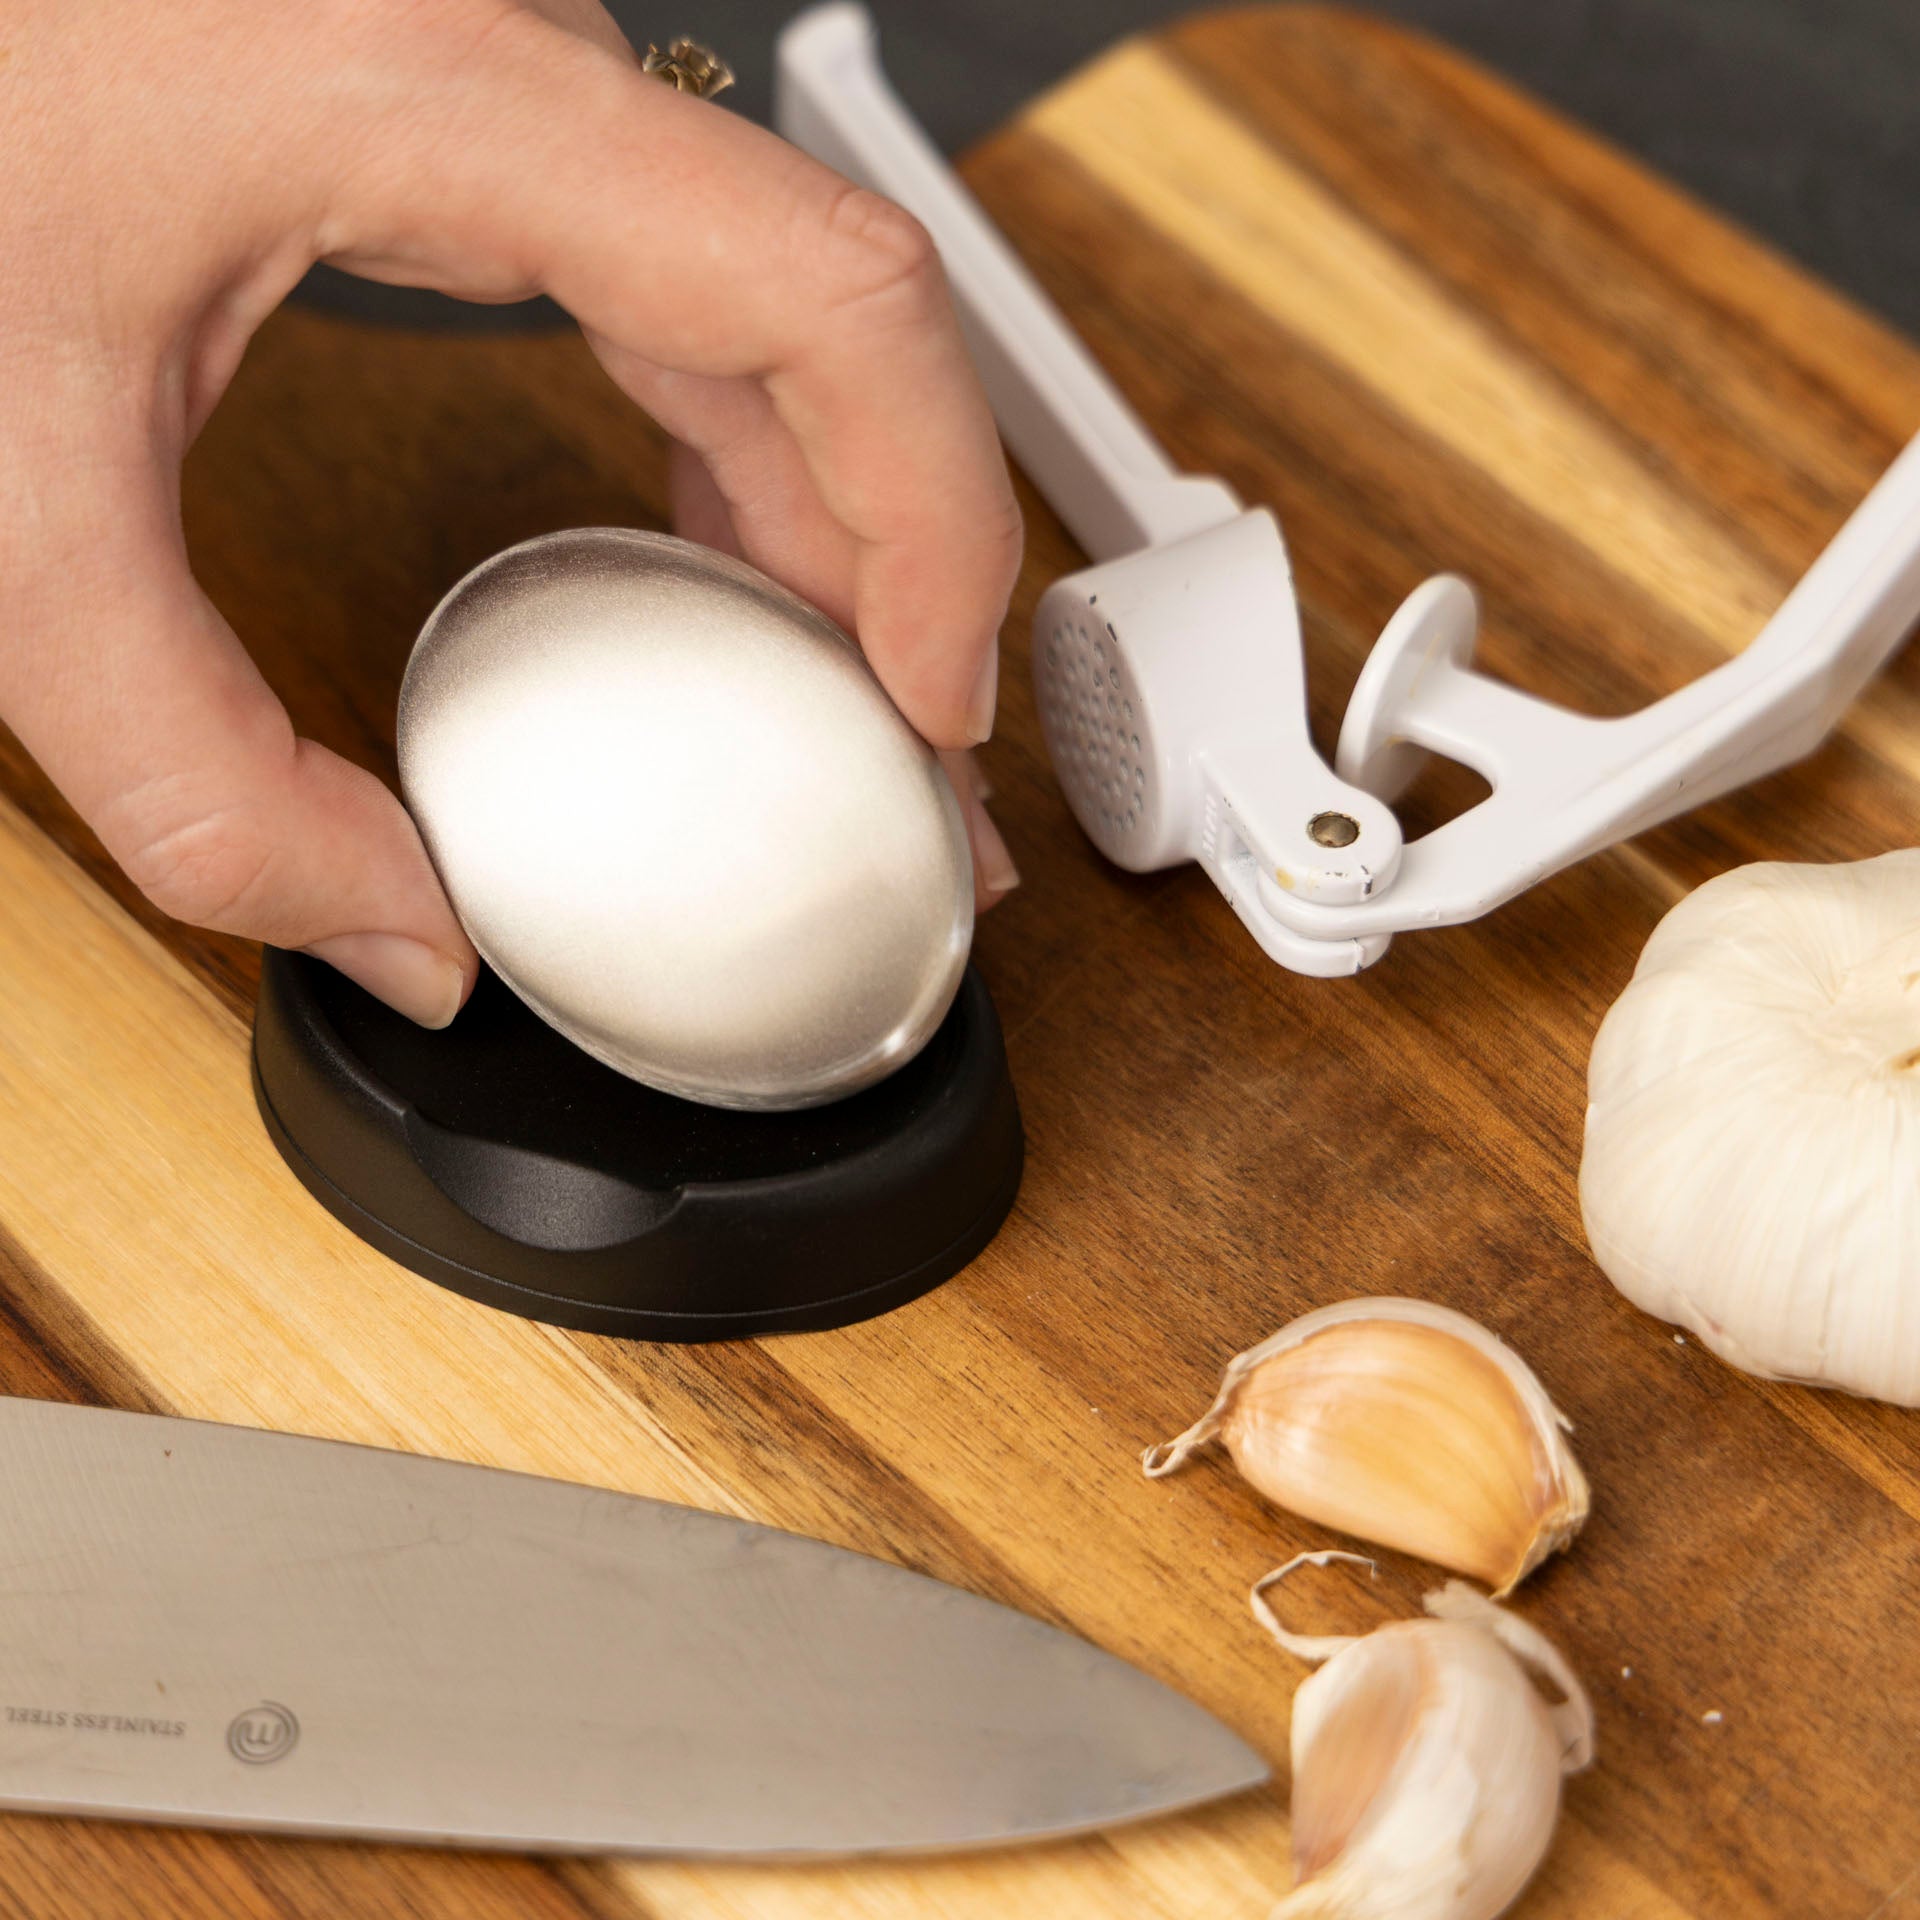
{"x": 1061, "y": 417}
{"x": 1565, "y": 785}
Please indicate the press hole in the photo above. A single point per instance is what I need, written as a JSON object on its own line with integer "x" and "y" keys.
{"x": 1333, "y": 829}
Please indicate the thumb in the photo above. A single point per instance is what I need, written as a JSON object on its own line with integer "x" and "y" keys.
{"x": 141, "y": 705}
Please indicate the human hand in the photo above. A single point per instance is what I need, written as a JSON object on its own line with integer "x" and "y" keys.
{"x": 173, "y": 171}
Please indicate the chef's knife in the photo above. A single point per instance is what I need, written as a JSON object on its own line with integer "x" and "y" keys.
{"x": 212, "y": 1625}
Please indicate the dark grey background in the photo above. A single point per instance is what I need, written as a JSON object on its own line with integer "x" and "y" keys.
{"x": 1799, "y": 117}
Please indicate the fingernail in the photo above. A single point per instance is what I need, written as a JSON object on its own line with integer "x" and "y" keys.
{"x": 997, "y": 872}
{"x": 986, "y": 690}
{"x": 410, "y": 976}
{"x": 964, "y": 770}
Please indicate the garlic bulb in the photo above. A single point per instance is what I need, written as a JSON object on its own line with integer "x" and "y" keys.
{"x": 1752, "y": 1163}
{"x": 1404, "y": 1423}
{"x": 1426, "y": 1763}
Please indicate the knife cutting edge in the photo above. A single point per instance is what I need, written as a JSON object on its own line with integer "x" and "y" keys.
{"x": 215, "y": 1626}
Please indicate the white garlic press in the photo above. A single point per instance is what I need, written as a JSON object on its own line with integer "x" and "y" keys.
{"x": 1170, "y": 674}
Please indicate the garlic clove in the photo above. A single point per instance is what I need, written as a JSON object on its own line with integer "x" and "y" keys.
{"x": 1426, "y": 1763}
{"x": 1753, "y": 1124}
{"x": 1406, "y": 1424}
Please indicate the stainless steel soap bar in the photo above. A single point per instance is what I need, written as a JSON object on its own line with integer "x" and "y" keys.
{"x": 680, "y": 817}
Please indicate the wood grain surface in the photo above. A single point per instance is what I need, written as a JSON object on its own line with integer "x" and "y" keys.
{"x": 1435, "y": 328}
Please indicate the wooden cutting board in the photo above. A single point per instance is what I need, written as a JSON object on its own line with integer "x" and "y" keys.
{"x": 1435, "y": 327}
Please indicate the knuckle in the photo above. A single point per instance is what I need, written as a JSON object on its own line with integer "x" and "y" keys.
{"x": 207, "y": 845}
{"x": 206, "y": 870}
{"x": 878, "y": 255}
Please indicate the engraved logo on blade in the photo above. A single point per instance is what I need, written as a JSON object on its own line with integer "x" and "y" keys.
{"x": 263, "y": 1733}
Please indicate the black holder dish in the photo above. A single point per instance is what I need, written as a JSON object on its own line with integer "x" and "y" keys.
{"x": 499, "y": 1160}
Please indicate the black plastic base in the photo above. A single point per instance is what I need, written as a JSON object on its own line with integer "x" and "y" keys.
{"x": 499, "y": 1160}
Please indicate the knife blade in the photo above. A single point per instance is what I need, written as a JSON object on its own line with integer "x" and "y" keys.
{"x": 216, "y": 1626}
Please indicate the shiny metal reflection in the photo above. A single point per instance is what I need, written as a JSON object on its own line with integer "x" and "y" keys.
{"x": 680, "y": 817}
{"x": 416, "y": 1650}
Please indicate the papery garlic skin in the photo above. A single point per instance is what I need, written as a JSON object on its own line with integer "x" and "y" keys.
{"x": 1426, "y": 1764}
{"x": 1752, "y": 1160}
{"x": 1406, "y": 1424}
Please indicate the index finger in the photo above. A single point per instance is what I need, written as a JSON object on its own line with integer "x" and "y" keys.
{"x": 701, "y": 243}
{"x": 883, "y": 399}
